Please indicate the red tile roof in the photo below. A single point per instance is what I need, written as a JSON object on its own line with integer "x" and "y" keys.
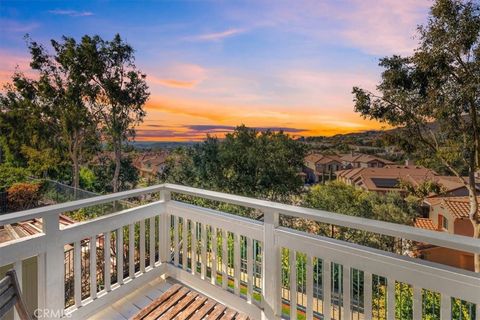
{"x": 458, "y": 206}
{"x": 424, "y": 223}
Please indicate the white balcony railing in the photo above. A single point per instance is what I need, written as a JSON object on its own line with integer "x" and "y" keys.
{"x": 238, "y": 261}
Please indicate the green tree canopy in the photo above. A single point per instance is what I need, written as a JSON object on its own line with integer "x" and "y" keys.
{"x": 248, "y": 162}
{"x": 433, "y": 95}
{"x": 345, "y": 199}
{"x": 119, "y": 92}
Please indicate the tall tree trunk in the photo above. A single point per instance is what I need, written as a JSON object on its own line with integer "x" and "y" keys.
{"x": 118, "y": 162}
{"x": 76, "y": 173}
{"x": 74, "y": 155}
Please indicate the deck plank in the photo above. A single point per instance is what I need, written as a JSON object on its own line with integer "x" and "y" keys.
{"x": 180, "y": 306}
{"x": 204, "y": 310}
{"x": 144, "y": 312}
{"x": 217, "y": 312}
{"x": 161, "y": 309}
{"x": 229, "y": 315}
{"x": 180, "y": 303}
{"x": 191, "y": 308}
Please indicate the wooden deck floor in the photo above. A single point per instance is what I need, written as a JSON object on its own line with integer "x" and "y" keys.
{"x": 181, "y": 303}
{"x": 130, "y": 305}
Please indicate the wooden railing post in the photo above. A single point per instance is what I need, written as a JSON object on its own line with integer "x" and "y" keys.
{"x": 51, "y": 269}
{"x": 271, "y": 267}
{"x": 164, "y": 245}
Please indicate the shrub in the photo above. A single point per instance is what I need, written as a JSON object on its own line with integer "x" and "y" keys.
{"x": 22, "y": 196}
{"x": 10, "y": 175}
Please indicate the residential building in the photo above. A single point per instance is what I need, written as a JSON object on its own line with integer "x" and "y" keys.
{"x": 360, "y": 160}
{"x": 390, "y": 177}
{"x": 321, "y": 167}
{"x": 150, "y": 164}
{"x": 385, "y": 179}
{"x": 450, "y": 215}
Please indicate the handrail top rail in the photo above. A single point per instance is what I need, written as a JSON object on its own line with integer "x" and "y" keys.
{"x": 76, "y": 204}
{"x": 452, "y": 241}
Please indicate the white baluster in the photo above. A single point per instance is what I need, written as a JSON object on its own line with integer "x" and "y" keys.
{"x": 93, "y": 267}
{"x": 446, "y": 307}
{"x": 120, "y": 255}
{"x": 327, "y": 288}
{"x": 224, "y": 259}
{"x": 346, "y": 292}
{"x": 131, "y": 250}
{"x": 204, "y": 252}
{"x": 417, "y": 302}
{"x": 194, "y": 247}
{"x": 390, "y": 299}
{"x": 250, "y": 263}
{"x": 236, "y": 262}
{"x": 176, "y": 241}
{"x": 142, "y": 246}
{"x": 152, "y": 242}
{"x": 309, "y": 291}
{"x": 77, "y": 273}
{"x": 368, "y": 295}
{"x": 107, "y": 261}
{"x": 214, "y": 255}
{"x": 292, "y": 259}
{"x": 184, "y": 244}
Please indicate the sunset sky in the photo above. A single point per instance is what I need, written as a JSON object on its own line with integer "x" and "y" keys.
{"x": 214, "y": 65}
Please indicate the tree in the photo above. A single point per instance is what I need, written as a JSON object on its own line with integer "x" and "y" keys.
{"x": 21, "y": 103}
{"x": 64, "y": 84}
{"x": 40, "y": 162}
{"x": 247, "y": 162}
{"x": 119, "y": 92}
{"x": 10, "y": 175}
{"x": 104, "y": 169}
{"x": 433, "y": 95}
{"x": 345, "y": 199}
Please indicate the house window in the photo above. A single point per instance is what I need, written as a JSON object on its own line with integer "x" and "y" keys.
{"x": 445, "y": 223}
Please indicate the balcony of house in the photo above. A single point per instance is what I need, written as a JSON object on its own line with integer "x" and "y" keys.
{"x": 116, "y": 265}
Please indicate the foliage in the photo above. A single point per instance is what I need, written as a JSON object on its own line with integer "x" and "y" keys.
{"x": 104, "y": 171}
{"x": 433, "y": 95}
{"x": 248, "y": 162}
{"x": 64, "y": 83}
{"x": 10, "y": 175}
{"x": 345, "y": 199}
{"x": 20, "y": 103}
{"x": 80, "y": 88}
{"x": 118, "y": 94}
{"x": 40, "y": 162}
{"x": 423, "y": 190}
{"x": 22, "y": 196}
{"x": 87, "y": 179}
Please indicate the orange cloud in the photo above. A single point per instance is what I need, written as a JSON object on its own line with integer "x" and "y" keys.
{"x": 172, "y": 83}
{"x": 178, "y": 119}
